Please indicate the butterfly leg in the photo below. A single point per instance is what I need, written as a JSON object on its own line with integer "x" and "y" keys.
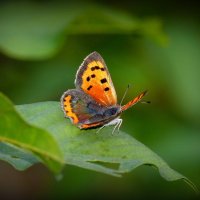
{"x": 101, "y": 128}
{"x": 117, "y": 122}
{"x": 117, "y": 126}
{"x": 120, "y": 123}
{"x": 113, "y": 122}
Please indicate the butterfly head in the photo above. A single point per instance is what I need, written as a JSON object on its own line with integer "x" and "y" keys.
{"x": 112, "y": 111}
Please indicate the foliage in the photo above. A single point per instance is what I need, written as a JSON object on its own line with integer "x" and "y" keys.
{"x": 150, "y": 46}
{"x": 16, "y": 131}
{"x": 44, "y": 121}
{"x": 45, "y": 28}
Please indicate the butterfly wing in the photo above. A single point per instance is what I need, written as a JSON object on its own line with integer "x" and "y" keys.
{"x": 134, "y": 101}
{"x": 94, "y": 79}
{"x": 83, "y": 111}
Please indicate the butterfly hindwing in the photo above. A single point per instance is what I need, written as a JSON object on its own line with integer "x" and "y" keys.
{"x": 94, "y": 79}
{"x": 83, "y": 111}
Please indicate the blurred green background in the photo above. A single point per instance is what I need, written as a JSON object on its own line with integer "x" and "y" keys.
{"x": 150, "y": 45}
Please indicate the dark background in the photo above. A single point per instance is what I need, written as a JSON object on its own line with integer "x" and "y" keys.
{"x": 163, "y": 57}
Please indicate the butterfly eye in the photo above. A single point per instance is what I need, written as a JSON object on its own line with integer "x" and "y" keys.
{"x": 111, "y": 111}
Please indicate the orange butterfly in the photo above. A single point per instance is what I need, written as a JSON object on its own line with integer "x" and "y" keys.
{"x": 94, "y": 101}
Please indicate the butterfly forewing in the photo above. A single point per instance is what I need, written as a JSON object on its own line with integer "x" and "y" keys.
{"x": 94, "y": 79}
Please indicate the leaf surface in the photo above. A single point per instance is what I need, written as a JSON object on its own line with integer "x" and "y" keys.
{"x": 15, "y": 130}
{"x": 102, "y": 152}
{"x": 45, "y": 132}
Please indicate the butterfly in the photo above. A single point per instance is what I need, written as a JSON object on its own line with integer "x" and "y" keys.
{"x": 94, "y": 101}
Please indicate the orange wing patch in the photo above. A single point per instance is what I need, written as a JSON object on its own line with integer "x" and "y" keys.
{"x": 97, "y": 83}
{"x": 68, "y": 109}
{"x": 86, "y": 126}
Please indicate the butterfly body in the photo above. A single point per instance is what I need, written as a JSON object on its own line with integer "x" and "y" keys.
{"x": 94, "y": 101}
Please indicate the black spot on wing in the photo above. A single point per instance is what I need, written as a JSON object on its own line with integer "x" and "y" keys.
{"x": 107, "y": 89}
{"x": 88, "y": 78}
{"x": 104, "y": 80}
{"x": 89, "y": 87}
{"x": 95, "y": 68}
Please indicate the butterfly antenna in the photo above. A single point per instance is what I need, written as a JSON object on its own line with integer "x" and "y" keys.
{"x": 146, "y": 102}
{"x": 128, "y": 86}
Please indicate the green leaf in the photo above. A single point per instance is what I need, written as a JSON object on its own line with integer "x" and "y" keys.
{"x": 17, "y": 157}
{"x": 105, "y": 21}
{"x": 47, "y": 135}
{"x": 33, "y": 30}
{"x": 103, "y": 152}
{"x": 111, "y": 21}
{"x": 15, "y": 130}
